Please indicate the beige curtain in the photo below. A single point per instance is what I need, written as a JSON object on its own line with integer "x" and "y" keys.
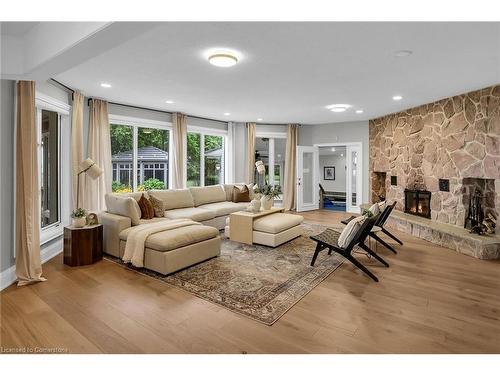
{"x": 179, "y": 136}
{"x": 250, "y": 151}
{"x": 77, "y": 145}
{"x": 28, "y": 264}
{"x": 290, "y": 188}
{"x": 99, "y": 150}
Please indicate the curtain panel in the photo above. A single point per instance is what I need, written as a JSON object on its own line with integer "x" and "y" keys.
{"x": 251, "y": 128}
{"x": 77, "y": 145}
{"x": 179, "y": 137}
{"x": 99, "y": 150}
{"x": 28, "y": 264}
{"x": 290, "y": 188}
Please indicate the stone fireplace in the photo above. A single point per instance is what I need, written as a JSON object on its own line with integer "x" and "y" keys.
{"x": 418, "y": 202}
{"x": 450, "y": 148}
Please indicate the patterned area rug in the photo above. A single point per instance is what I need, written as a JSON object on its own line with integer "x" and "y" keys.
{"x": 259, "y": 282}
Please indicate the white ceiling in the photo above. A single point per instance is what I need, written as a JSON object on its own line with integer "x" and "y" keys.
{"x": 290, "y": 71}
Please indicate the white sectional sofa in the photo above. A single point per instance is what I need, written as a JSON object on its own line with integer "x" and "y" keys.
{"x": 180, "y": 248}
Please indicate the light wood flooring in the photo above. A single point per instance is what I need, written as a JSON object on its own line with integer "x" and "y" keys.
{"x": 431, "y": 300}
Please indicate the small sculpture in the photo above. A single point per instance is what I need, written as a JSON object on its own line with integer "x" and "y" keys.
{"x": 254, "y": 206}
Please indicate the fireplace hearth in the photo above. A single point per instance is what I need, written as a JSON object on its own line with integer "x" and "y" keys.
{"x": 418, "y": 202}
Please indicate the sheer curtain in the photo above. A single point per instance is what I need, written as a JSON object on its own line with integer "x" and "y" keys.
{"x": 77, "y": 144}
{"x": 99, "y": 150}
{"x": 289, "y": 193}
{"x": 179, "y": 135}
{"x": 28, "y": 264}
{"x": 250, "y": 151}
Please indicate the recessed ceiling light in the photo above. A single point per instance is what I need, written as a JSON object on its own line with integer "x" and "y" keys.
{"x": 226, "y": 113}
{"x": 259, "y": 119}
{"x": 359, "y": 111}
{"x": 333, "y": 149}
{"x": 223, "y": 59}
{"x": 169, "y": 101}
{"x": 403, "y": 53}
{"x": 106, "y": 85}
{"x": 341, "y": 154}
{"x": 338, "y": 107}
{"x": 397, "y": 97}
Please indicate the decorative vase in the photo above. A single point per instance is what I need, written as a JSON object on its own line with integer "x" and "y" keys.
{"x": 266, "y": 203}
{"x": 255, "y": 205}
{"x": 79, "y": 222}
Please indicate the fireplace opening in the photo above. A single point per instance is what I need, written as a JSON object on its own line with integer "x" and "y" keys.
{"x": 418, "y": 202}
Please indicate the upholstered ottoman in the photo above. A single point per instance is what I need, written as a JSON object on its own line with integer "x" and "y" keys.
{"x": 175, "y": 249}
{"x": 276, "y": 229}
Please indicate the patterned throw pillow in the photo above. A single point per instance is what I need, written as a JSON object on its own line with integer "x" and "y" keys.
{"x": 147, "y": 211}
{"x": 241, "y": 194}
{"x": 158, "y": 206}
{"x": 350, "y": 231}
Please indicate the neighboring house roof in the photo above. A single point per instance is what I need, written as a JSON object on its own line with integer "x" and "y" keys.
{"x": 216, "y": 153}
{"x": 144, "y": 154}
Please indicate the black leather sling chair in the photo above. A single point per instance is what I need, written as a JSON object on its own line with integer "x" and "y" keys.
{"x": 328, "y": 239}
{"x": 382, "y": 218}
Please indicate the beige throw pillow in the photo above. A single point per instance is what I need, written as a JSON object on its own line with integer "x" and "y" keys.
{"x": 124, "y": 206}
{"x": 158, "y": 206}
{"x": 350, "y": 231}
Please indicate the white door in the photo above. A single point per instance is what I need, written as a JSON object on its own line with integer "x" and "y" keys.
{"x": 307, "y": 178}
{"x": 354, "y": 178}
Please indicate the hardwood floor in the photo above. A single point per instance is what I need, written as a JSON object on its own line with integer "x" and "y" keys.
{"x": 431, "y": 300}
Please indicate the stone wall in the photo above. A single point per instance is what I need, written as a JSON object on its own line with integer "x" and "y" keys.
{"x": 454, "y": 138}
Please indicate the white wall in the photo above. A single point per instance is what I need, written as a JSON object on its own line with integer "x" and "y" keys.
{"x": 338, "y": 133}
{"x": 338, "y": 162}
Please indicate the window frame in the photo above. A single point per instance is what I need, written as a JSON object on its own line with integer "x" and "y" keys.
{"x": 203, "y": 131}
{"x": 47, "y": 103}
{"x": 135, "y": 123}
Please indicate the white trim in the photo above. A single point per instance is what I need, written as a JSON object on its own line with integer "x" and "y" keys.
{"x": 338, "y": 144}
{"x": 136, "y": 121}
{"x": 43, "y": 101}
{"x": 8, "y": 276}
{"x": 264, "y": 134}
{"x": 206, "y": 131}
{"x": 314, "y": 205}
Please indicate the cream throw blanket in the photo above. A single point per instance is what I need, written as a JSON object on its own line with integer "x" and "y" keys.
{"x": 136, "y": 239}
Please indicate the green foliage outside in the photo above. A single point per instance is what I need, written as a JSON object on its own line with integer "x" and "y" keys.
{"x": 212, "y": 142}
{"x": 151, "y": 184}
{"x": 122, "y": 139}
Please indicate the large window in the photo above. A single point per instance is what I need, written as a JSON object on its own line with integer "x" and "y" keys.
{"x": 140, "y": 156}
{"x": 49, "y": 168}
{"x": 205, "y": 159}
{"x": 270, "y": 149}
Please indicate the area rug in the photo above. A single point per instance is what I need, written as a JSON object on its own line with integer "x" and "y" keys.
{"x": 256, "y": 281}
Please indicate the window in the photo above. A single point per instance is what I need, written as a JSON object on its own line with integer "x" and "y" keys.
{"x": 205, "y": 159}
{"x": 49, "y": 168}
{"x": 140, "y": 156}
{"x": 270, "y": 149}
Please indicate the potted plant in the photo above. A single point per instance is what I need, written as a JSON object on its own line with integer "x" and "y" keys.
{"x": 79, "y": 217}
{"x": 268, "y": 193}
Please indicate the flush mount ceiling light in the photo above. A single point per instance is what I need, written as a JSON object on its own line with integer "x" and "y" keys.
{"x": 259, "y": 119}
{"x": 338, "y": 107}
{"x": 403, "y": 53}
{"x": 397, "y": 97}
{"x": 223, "y": 59}
{"x": 226, "y": 113}
{"x": 169, "y": 101}
{"x": 105, "y": 85}
{"x": 359, "y": 111}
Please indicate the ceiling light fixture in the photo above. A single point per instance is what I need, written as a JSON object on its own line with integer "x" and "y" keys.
{"x": 338, "y": 107}
{"x": 105, "y": 85}
{"x": 223, "y": 59}
{"x": 333, "y": 149}
{"x": 169, "y": 101}
{"x": 403, "y": 53}
{"x": 359, "y": 111}
{"x": 259, "y": 119}
{"x": 397, "y": 97}
{"x": 226, "y": 113}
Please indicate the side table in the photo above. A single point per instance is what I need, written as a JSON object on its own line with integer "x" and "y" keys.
{"x": 82, "y": 246}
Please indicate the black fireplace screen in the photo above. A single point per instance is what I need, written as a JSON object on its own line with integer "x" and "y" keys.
{"x": 418, "y": 202}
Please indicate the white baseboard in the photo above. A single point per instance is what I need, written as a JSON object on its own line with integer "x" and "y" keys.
{"x": 8, "y": 276}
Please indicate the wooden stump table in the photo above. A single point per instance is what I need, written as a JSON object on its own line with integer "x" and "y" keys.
{"x": 82, "y": 246}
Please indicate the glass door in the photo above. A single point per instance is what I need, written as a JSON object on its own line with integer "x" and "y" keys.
{"x": 307, "y": 178}
{"x": 354, "y": 179}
